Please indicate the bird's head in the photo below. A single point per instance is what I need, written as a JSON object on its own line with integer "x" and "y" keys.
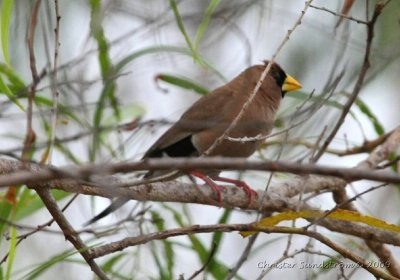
{"x": 284, "y": 81}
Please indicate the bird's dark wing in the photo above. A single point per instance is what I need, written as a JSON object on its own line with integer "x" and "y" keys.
{"x": 208, "y": 112}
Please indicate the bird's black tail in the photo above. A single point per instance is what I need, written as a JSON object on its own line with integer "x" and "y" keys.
{"x": 115, "y": 204}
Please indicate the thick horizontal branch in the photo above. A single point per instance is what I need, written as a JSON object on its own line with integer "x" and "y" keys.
{"x": 15, "y": 175}
{"x": 280, "y": 197}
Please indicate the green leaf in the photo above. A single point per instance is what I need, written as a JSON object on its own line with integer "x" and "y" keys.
{"x": 109, "y": 264}
{"x": 7, "y": 91}
{"x": 67, "y": 153}
{"x": 371, "y": 116}
{"x": 127, "y": 113}
{"x": 11, "y": 252}
{"x": 6, "y": 12}
{"x": 38, "y": 271}
{"x": 181, "y": 26}
{"x": 169, "y": 255}
{"x": 215, "y": 267}
{"x": 160, "y": 49}
{"x": 218, "y": 269}
{"x": 183, "y": 82}
{"x": 5, "y": 212}
{"x": 44, "y": 101}
{"x": 204, "y": 23}
{"x": 108, "y": 73}
{"x": 217, "y": 236}
{"x": 30, "y": 203}
{"x": 328, "y": 264}
{"x": 16, "y": 82}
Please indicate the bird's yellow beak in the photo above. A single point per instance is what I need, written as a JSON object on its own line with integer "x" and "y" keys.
{"x": 290, "y": 84}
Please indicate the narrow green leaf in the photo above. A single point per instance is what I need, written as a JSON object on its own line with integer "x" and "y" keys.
{"x": 109, "y": 264}
{"x": 33, "y": 203}
{"x": 39, "y": 270}
{"x": 6, "y": 12}
{"x": 181, "y": 26}
{"x": 183, "y": 82}
{"x": 47, "y": 102}
{"x": 371, "y": 116}
{"x": 16, "y": 82}
{"x": 169, "y": 255}
{"x": 68, "y": 153}
{"x": 328, "y": 264}
{"x": 127, "y": 113}
{"x": 5, "y": 212}
{"x": 217, "y": 236}
{"x": 219, "y": 270}
{"x": 11, "y": 252}
{"x": 163, "y": 274}
{"x": 204, "y": 23}
{"x": 159, "y": 49}
{"x": 6, "y": 90}
{"x": 108, "y": 73}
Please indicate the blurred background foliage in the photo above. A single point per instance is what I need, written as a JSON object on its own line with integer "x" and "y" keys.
{"x": 121, "y": 61}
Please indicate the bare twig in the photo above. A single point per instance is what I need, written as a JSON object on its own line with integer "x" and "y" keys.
{"x": 39, "y": 228}
{"x": 30, "y": 134}
{"x": 212, "y": 252}
{"x": 357, "y": 88}
{"x": 69, "y": 231}
{"x": 142, "y": 239}
{"x": 365, "y": 147}
{"x": 54, "y": 81}
{"x": 378, "y": 155}
{"x": 243, "y": 257}
{"x": 340, "y": 15}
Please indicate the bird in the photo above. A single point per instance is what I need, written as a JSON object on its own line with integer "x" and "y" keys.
{"x": 210, "y": 116}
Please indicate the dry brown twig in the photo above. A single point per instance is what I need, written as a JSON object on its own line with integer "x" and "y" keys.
{"x": 378, "y": 155}
{"x": 45, "y": 193}
{"x": 360, "y": 81}
{"x": 142, "y": 239}
{"x": 360, "y": 21}
{"x": 54, "y": 80}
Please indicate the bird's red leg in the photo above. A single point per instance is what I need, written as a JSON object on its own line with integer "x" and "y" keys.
{"x": 249, "y": 191}
{"x": 216, "y": 188}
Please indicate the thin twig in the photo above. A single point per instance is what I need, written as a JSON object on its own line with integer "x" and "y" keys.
{"x": 39, "y": 228}
{"x": 143, "y": 239}
{"x": 340, "y": 15}
{"x": 69, "y": 231}
{"x": 357, "y": 88}
{"x": 365, "y": 147}
{"x": 211, "y": 255}
{"x": 30, "y": 134}
{"x": 54, "y": 81}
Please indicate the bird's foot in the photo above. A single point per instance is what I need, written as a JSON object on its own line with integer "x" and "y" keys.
{"x": 248, "y": 190}
{"x": 216, "y": 188}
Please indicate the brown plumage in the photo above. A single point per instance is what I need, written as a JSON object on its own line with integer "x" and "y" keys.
{"x": 209, "y": 117}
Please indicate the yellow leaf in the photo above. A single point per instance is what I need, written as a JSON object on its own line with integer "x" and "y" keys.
{"x": 338, "y": 214}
